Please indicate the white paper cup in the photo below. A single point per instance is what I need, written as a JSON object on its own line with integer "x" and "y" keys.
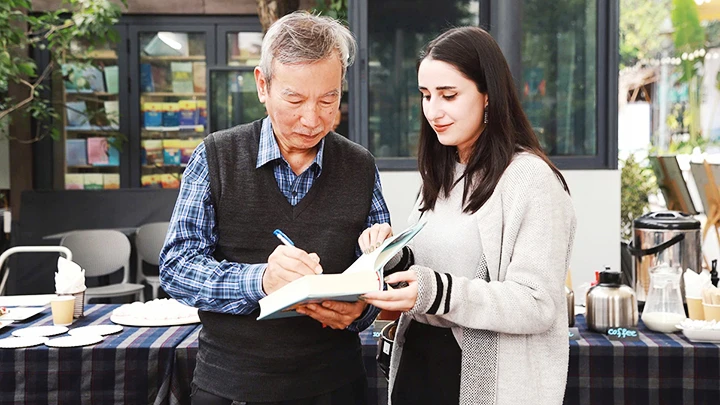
{"x": 62, "y": 309}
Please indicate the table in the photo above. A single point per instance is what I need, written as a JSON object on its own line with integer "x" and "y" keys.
{"x": 657, "y": 369}
{"x": 185, "y": 358}
{"x": 134, "y": 366}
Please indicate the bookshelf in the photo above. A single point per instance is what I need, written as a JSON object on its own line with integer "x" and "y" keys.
{"x": 173, "y": 106}
{"x": 90, "y": 120}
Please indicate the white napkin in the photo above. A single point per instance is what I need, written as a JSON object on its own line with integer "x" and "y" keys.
{"x": 695, "y": 283}
{"x": 70, "y": 277}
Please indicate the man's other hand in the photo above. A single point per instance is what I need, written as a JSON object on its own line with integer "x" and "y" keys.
{"x": 335, "y": 314}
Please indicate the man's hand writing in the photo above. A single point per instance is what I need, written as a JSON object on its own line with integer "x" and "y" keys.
{"x": 335, "y": 314}
{"x": 286, "y": 264}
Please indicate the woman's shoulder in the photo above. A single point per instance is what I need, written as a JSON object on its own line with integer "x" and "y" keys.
{"x": 528, "y": 169}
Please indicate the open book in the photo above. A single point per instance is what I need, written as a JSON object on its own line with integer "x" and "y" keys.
{"x": 364, "y": 275}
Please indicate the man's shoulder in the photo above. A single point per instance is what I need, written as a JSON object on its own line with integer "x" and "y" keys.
{"x": 348, "y": 147}
{"x": 234, "y": 133}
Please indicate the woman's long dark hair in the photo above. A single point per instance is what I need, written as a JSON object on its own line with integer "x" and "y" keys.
{"x": 473, "y": 52}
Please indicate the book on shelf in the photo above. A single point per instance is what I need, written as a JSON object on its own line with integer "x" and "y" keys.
{"x": 187, "y": 147}
{"x": 150, "y": 181}
{"x": 152, "y": 115}
{"x": 146, "y": 78}
{"x": 199, "y": 72}
{"x": 168, "y": 44}
{"x": 363, "y": 276}
{"x": 112, "y": 112}
{"x": 74, "y": 181}
{"x": 94, "y": 78}
{"x": 182, "y": 77}
{"x": 170, "y": 114}
{"x": 76, "y": 113}
{"x": 73, "y": 79}
{"x": 111, "y": 181}
{"x": 152, "y": 152}
{"x": 112, "y": 79}
{"x": 93, "y": 181}
{"x": 113, "y": 153}
{"x": 97, "y": 147}
{"x": 171, "y": 151}
{"x": 202, "y": 113}
{"x": 75, "y": 152}
{"x": 188, "y": 112}
{"x": 161, "y": 78}
{"x": 170, "y": 180}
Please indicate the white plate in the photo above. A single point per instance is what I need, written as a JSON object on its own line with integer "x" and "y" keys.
{"x": 133, "y": 321}
{"x": 26, "y": 300}
{"x": 48, "y": 330}
{"x": 75, "y": 341}
{"x": 17, "y": 342}
{"x": 21, "y": 313}
{"x": 101, "y": 330}
{"x": 702, "y": 335}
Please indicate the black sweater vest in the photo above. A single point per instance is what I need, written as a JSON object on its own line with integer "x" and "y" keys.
{"x": 239, "y": 357}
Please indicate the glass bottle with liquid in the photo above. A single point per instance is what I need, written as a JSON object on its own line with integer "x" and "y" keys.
{"x": 664, "y": 306}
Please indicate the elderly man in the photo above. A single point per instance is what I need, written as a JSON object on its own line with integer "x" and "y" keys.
{"x": 287, "y": 171}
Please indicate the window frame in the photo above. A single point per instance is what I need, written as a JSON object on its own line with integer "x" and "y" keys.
{"x": 499, "y": 17}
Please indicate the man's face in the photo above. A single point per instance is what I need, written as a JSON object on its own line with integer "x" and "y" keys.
{"x": 302, "y": 101}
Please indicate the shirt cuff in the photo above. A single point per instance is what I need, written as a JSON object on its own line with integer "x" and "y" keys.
{"x": 254, "y": 279}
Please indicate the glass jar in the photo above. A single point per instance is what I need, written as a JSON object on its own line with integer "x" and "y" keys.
{"x": 664, "y": 306}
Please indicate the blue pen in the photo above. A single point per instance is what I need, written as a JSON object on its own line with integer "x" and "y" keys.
{"x": 283, "y": 238}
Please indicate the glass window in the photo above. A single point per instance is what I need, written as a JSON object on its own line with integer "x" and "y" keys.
{"x": 233, "y": 99}
{"x": 88, "y": 89}
{"x": 172, "y": 102}
{"x": 244, "y": 48}
{"x": 558, "y": 74}
{"x": 397, "y": 31}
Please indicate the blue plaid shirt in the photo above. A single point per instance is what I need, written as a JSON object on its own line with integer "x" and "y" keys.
{"x": 188, "y": 270}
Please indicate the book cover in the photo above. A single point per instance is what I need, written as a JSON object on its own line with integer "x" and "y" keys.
{"x": 97, "y": 151}
{"x": 75, "y": 152}
{"x": 146, "y": 79}
{"x": 364, "y": 275}
{"x": 150, "y": 181}
{"x": 93, "y": 181}
{"x": 74, "y": 181}
{"x": 188, "y": 112}
{"x": 202, "y": 112}
{"x": 170, "y": 180}
{"x": 171, "y": 151}
{"x": 187, "y": 147}
{"x": 76, "y": 113}
{"x": 112, "y": 78}
{"x": 152, "y": 115}
{"x": 111, "y": 181}
{"x": 152, "y": 152}
{"x": 199, "y": 73}
{"x": 113, "y": 153}
{"x": 170, "y": 114}
{"x": 112, "y": 112}
{"x": 182, "y": 77}
{"x": 94, "y": 79}
{"x": 161, "y": 78}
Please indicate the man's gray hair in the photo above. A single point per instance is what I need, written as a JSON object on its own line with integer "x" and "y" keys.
{"x": 301, "y": 37}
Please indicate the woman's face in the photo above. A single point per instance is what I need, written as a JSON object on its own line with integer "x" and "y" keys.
{"x": 452, "y": 105}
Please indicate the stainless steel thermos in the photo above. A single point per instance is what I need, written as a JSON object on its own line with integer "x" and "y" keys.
{"x": 610, "y": 304}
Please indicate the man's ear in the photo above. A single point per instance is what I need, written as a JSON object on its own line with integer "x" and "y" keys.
{"x": 261, "y": 85}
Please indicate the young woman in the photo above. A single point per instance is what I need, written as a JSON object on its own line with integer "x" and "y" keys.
{"x": 484, "y": 314}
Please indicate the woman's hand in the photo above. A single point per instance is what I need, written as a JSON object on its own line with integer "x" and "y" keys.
{"x": 398, "y": 299}
{"x": 373, "y": 237}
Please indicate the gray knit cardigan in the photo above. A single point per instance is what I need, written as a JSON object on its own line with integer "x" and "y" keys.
{"x": 512, "y": 316}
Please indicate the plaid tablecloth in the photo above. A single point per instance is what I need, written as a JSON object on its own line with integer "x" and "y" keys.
{"x": 657, "y": 369}
{"x": 186, "y": 352}
{"x": 134, "y": 366}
